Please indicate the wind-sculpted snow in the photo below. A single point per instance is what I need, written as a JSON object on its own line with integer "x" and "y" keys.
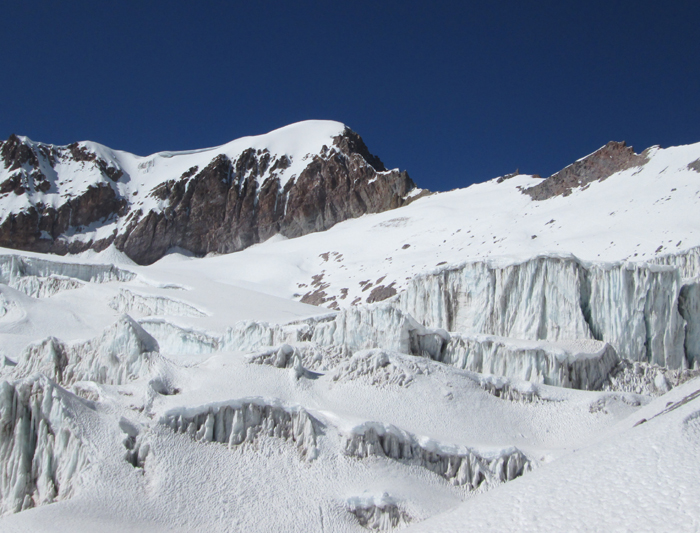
{"x": 123, "y": 352}
{"x": 460, "y": 465}
{"x": 631, "y": 306}
{"x": 575, "y": 364}
{"x": 243, "y": 421}
{"x": 127, "y": 301}
{"x": 41, "y": 456}
{"x": 378, "y": 513}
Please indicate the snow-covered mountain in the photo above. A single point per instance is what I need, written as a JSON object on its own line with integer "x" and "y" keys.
{"x": 519, "y": 355}
{"x": 301, "y": 178}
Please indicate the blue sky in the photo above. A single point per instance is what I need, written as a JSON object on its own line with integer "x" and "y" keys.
{"x": 453, "y": 92}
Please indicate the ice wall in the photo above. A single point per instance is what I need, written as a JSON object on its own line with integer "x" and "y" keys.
{"x": 40, "y": 278}
{"x": 14, "y": 266}
{"x": 461, "y": 466}
{"x": 687, "y": 262}
{"x": 123, "y": 352}
{"x": 581, "y": 364}
{"x": 689, "y": 308}
{"x": 631, "y": 306}
{"x": 41, "y": 455}
{"x": 237, "y": 422}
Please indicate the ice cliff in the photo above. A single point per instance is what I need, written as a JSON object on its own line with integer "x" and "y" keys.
{"x": 41, "y": 454}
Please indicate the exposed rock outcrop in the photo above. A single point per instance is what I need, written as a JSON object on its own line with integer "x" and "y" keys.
{"x": 235, "y": 200}
{"x": 600, "y": 165}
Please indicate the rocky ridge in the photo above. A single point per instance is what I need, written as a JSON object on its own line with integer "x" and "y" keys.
{"x": 67, "y": 199}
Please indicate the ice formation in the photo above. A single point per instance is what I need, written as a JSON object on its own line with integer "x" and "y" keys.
{"x": 461, "y": 466}
{"x": 380, "y": 368}
{"x": 40, "y": 278}
{"x": 380, "y": 513}
{"x": 41, "y": 454}
{"x": 128, "y": 301}
{"x": 243, "y": 421}
{"x": 645, "y": 378}
{"x": 306, "y": 354}
{"x": 17, "y": 266}
{"x": 123, "y": 352}
{"x": 689, "y": 308}
{"x": 632, "y": 306}
{"x": 583, "y": 364}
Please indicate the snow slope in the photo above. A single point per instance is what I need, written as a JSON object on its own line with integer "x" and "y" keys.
{"x": 473, "y": 391}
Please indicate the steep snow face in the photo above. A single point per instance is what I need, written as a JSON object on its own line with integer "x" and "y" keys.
{"x": 123, "y": 352}
{"x": 41, "y": 455}
{"x": 634, "y": 307}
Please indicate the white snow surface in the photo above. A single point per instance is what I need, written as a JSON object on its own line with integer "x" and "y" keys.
{"x": 200, "y": 394}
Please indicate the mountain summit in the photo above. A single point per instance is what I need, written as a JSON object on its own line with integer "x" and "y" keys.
{"x": 298, "y": 179}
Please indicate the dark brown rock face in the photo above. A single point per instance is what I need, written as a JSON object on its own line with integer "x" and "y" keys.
{"x": 600, "y": 165}
{"x": 224, "y": 207}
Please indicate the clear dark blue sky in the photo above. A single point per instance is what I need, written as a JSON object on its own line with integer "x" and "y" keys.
{"x": 454, "y": 92}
